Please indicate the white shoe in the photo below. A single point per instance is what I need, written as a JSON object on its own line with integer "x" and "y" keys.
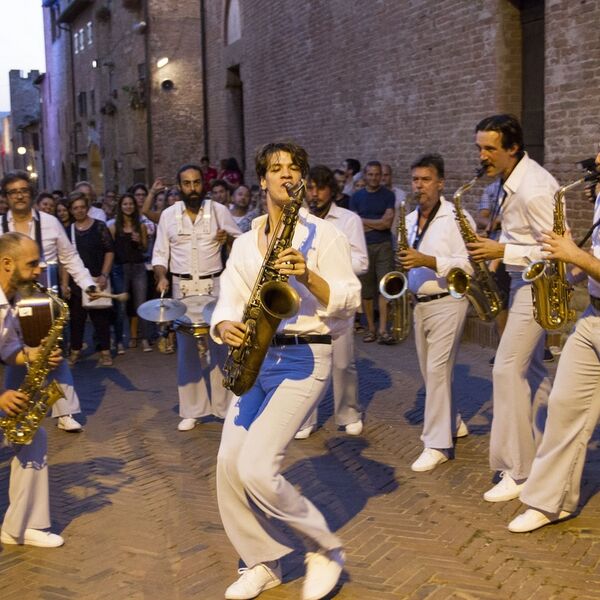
{"x": 34, "y": 537}
{"x": 304, "y": 433}
{"x": 354, "y": 428}
{"x": 68, "y": 423}
{"x": 186, "y": 424}
{"x": 254, "y": 581}
{"x": 120, "y": 349}
{"x": 533, "y": 519}
{"x": 462, "y": 431}
{"x": 323, "y": 570}
{"x": 506, "y": 489}
{"x": 430, "y": 458}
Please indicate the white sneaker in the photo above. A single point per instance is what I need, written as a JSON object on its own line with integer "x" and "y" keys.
{"x": 354, "y": 428}
{"x": 430, "y": 458}
{"x": 462, "y": 431}
{"x": 506, "y": 489}
{"x": 533, "y": 519}
{"x": 68, "y": 423}
{"x": 254, "y": 581}
{"x": 304, "y": 433}
{"x": 186, "y": 424}
{"x": 120, "y": 349}
{"x": 323, "y": 570}
{"x": 34, "y": 537}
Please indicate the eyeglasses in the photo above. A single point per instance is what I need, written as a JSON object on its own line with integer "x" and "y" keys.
{"x": 19, "y": 192}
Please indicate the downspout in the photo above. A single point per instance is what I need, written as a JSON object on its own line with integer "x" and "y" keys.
{"x": 148, "y": 84}
{"x": 204, "y": 74}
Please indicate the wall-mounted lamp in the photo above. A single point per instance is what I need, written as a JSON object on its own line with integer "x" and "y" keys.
{"x": 29, "y": 168}
{"x": 94, "y": 64}
{"x": 21, "y": 150}
{"x": 34, "y": 175}
{"x": 162, "y": 62}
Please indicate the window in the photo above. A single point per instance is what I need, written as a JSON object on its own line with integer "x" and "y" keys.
{"x": 234, "y": 25}
{"x": 93, "y": 102}
{"x": 76, "y": 42}
{"x": 90, "y": 38}
{"x": 81, "y": 40}
{"x": 82, "y": 104}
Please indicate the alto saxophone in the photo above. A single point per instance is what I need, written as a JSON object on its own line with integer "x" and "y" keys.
{"x": 550, "y": 290}
{"x": 393, "y": 286}
{"x": 21, "y": 428}
{"x": 272, "y": 299}
{"x": 480, "y": 288}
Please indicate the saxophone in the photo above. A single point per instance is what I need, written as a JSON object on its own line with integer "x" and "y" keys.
{"x": 21, "y": 428}
{"x": 550, "y": 289}
{"x": 393, "y": 286}
{"x": 480, "y": 288}
{"x": 272, "y": 299}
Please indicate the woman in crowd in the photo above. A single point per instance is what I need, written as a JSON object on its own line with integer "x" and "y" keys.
{"x": 129, "y": 272}
{"x": 45, "y": 202}
{"x": 94, "y": 243}
{"x": 63, "y": 214}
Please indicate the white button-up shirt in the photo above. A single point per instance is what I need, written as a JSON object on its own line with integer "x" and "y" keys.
{"x": 350, "y": 224}
{"x": 57, "y": 247}
{"x": 184, "y": 247}
{"x": 443, "y": 241}
{"x": 9, "y": 337}
{"x": 526, "y": 211}
{"x": 327, "y": 253}
{"x": 593, "y": 285}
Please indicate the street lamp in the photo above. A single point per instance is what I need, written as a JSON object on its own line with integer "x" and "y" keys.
{"x": 21, "y": 150}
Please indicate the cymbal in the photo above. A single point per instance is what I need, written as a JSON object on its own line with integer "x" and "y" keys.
{"x": 161, "y": 310}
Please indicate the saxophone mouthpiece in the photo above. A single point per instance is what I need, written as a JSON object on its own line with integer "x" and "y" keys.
{"x": 480, "y": 172}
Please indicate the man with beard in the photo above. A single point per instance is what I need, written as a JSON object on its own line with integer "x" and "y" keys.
{"x": 188, "y": 243}
{"x": 55, "y": 247}
{"x": 28, "y": 513}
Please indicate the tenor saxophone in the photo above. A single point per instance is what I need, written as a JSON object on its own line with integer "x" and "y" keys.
{"x": 21, "y": 428}
{"x": 480, "y": 288}
{"x": 272, "y": 299}
{"x": 550, "y": 290}
{"x": 393, "y": 286}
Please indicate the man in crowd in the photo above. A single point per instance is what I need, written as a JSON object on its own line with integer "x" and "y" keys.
{"x": 219, "y": 192}
{"x": 240, "y": 200}
{"x": 375, "y": 205}
{"x": 350, "y": 167}
{"x": 188, "y": 243}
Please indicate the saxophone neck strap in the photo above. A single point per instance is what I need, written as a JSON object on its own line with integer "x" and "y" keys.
{"x": 421, "y": 232}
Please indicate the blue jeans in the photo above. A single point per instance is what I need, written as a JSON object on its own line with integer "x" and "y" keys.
{"x": 131, "y": 278}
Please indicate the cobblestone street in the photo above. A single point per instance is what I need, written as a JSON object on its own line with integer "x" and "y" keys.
{"x": 135, "y": 499}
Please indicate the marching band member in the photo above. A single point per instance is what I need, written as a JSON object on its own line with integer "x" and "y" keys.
{"x": 520, "y": 378}
{"x": 553, "y": 487}
{"x": 188, "y": 243}
{"x": 28, "y": 513}
{"x": 436, "y": 246}
{"x": 253, "y": 496}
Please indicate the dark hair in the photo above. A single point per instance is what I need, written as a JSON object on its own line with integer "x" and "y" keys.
{"x": 264, "y": 154}
{"x": 339, "y": 172}
{"x": 74, "y": 196}
{"x": 13, "y": 176}
{"x": 135, "y": 216}
{"x": 138, "y": 186}
{"x": 232, "y": 165}
{"x": 353, "y": 164}
{"x": 43, "y": 195}
{"x": 430, "y": 160}
{"x": 373, "y": 163}
{"x": 322, "y": 177}
{"x": 204, "y": 158}
{"x": 58, "y": 193}
{"x": 508, "y": 127}
{"x": 219, "y": 183}
{"x": 185, "y": 168}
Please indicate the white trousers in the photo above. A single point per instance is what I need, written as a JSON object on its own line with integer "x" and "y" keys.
{"x": 573, "y": 412}
{"x": 29, "y": 504}
{"x": 253, "y": 496}
{"x": 438, "y": 329}
{"x": 521, "y": 387}
{"x": 69, "y": 405}
{"x": 347, "y": 407}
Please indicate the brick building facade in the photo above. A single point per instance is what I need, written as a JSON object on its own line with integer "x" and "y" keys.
{"x": 384, "y": 79}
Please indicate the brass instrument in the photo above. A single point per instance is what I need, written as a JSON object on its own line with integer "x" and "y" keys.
{"x": 480, "y": 288}
{"x": 550, "y": 290}
{"x": 393, "y": 286}
{"x": 21, "y": 428}
{"x": 272, "y": 299}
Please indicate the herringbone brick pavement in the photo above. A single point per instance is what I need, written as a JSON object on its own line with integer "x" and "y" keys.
{"x": 135, "y": 499}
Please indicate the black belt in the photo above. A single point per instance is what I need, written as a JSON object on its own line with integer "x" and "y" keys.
{"x": 432, "y": 297}
{"x": 595, "y": 302}
{"x": 281, "y": 339}
{"x": 189, "y": 276}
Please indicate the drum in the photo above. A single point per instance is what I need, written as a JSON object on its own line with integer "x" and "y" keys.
{"x": 196, "y": 321}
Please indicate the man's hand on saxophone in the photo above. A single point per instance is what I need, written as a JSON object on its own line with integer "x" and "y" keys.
{"x": 485, "y": 249}
{"x": 411, "y": 258}
{"x": 232, "y": 333}
{"x": 54, "y": 359}
{"x": 12, "y": 402}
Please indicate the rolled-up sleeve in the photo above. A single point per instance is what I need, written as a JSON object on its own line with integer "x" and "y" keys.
{"x": 455, "y": 252}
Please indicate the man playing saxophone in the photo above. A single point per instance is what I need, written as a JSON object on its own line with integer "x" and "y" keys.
{"x": 436, "y": 247}
{"x": 253, "y": 496}
{"x": 28, "y": 513}
{"x": 520, "y": 379}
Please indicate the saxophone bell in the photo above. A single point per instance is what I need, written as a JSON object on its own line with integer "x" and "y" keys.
{"x": 458, "y": 283}
{"x": 279, "y": 299}
{"x": 534, "y": 271}
{"x": 393, "y": 285}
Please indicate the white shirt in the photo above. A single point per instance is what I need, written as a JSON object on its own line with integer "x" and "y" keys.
{"x": 57, "y": 247}
{"x": 9, "y": 337}
{"x": 97, "y": 213}
{"x": 327, "y": 253}
{"x": 184, "y": 247}
{"x": 526, "y": 212}
{"x": 442, "y": 240}
{"x": 350, "y": 224}
{"x": 593, "y": 285}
